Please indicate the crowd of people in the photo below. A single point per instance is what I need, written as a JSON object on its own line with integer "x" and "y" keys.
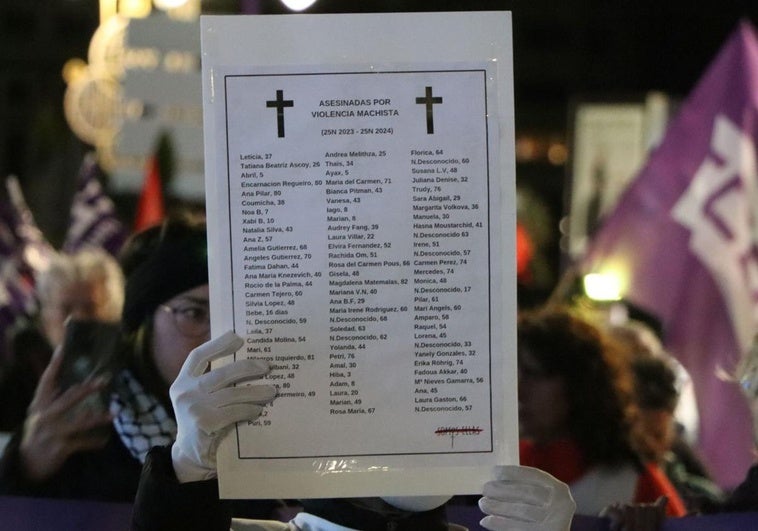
{"x": 596, "y": 411}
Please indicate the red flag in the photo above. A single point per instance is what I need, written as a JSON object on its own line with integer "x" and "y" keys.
{"x": 524, "y": 252}
{"x": 150, "y": 209}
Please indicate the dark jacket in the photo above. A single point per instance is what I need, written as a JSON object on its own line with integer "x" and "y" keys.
{"x": 109, "y": 474}
{"x": 112, "y": 474}
{"x": 164, "y": 504}
{"x": 745, "y": 497}
{"x": 29, "y": 355}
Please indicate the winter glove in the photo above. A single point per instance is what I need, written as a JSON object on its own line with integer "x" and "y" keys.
{"x": 207, "y": 404}
{"x": 526, "y": 499}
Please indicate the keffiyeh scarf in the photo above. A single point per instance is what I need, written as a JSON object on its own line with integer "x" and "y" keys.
{"x": 141, "y": 421}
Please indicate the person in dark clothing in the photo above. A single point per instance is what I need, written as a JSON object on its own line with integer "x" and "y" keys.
{"x": 178, "y": 488}
{"x": 744, "y": 498}
{"x": 85, "y": 285}
{"x": 657, "y": 396}
{"x": 30, "y": 352}
{"x": 165, "y": 316}
{"x": 55, "y": 453}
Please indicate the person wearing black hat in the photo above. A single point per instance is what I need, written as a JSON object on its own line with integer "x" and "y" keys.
{"x": 60, "y": 452}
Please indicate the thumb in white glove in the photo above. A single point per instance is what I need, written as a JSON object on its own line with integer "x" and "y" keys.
{"x": 526, "y": 499}
{"x": 207, "y": 404}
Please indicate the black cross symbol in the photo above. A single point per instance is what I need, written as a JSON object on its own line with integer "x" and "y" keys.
{"x": 429, "y": 101}
{"x": 280, "y": 103}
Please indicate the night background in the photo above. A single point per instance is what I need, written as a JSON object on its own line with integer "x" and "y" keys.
{"x": 564, "y": 52}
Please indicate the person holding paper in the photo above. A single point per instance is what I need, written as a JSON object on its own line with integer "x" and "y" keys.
{"x": 165, "y": 316}
{"x": 178, "y": 490}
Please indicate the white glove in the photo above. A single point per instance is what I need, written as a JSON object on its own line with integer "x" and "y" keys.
{"x": 207, "y": 404}
{"x": 526, "y": 499}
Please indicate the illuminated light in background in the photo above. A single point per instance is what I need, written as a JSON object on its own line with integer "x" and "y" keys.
{"x": 526, "y": 149}
{"x": 298, "y": 5}
{"x": 135, "y": 8}
{"x": 108, "y": 8}
{"x": 602, "y": 286}
{"x": 541, "y": 147}
{"x": 557, "y": 154}
{"x": 168, "y": 4}
{"x": 73, "y": 69}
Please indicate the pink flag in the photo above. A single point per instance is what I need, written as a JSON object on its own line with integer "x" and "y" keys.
{"x": 684, "y": 239}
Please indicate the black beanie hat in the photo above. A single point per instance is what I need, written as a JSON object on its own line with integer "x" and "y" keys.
{"x": 159, "y": 263}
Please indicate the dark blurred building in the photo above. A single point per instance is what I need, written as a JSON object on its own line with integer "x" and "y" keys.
{"x": 36, "y": 39}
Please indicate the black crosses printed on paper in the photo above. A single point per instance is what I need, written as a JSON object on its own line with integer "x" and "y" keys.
{"x": 280, "y": 103}
{"x": 429, "y": 101}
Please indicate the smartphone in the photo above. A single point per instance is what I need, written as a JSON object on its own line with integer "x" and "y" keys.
{"x": 90, "y": 349}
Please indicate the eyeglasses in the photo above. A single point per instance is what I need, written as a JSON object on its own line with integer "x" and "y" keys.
{"x": 192, "y": 320}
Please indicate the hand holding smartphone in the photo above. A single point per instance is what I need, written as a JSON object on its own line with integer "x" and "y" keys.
{"x": 90, "y": 350}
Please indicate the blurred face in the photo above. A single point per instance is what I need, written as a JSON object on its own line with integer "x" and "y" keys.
{"x": 179, "y": 325}
{"x": 658, "y": 429}
{"x": 80, "y": 300}
{"x": 543, "y": 408}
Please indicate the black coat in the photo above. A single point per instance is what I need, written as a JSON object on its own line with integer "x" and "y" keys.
{"x": 29, "y": 355}
{"x": 110, "y": 474}
{"x": 164, "y": 504}
{"x": 745, "y": 497}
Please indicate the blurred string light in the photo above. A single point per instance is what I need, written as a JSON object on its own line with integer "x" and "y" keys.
{"x": 541, "y": 148}
{"x": 298, "y": 5}
{"x": 73, "y": 70}
{"x": 557, "y": 154}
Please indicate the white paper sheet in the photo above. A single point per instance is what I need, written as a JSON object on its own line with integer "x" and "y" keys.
{"x": 360, "y": 222}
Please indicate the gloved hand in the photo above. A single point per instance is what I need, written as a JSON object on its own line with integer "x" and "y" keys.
{"x": 207, "y": 404}
{"x": 526, "y": 499}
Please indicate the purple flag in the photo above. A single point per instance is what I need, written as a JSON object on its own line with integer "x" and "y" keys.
{"x": 34, "y": 247}
{"x": 23, "y": 252}
{"x": 93, "y": 221}
{"x": 684, "y": 240}
{"x": 16, "y": 277}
